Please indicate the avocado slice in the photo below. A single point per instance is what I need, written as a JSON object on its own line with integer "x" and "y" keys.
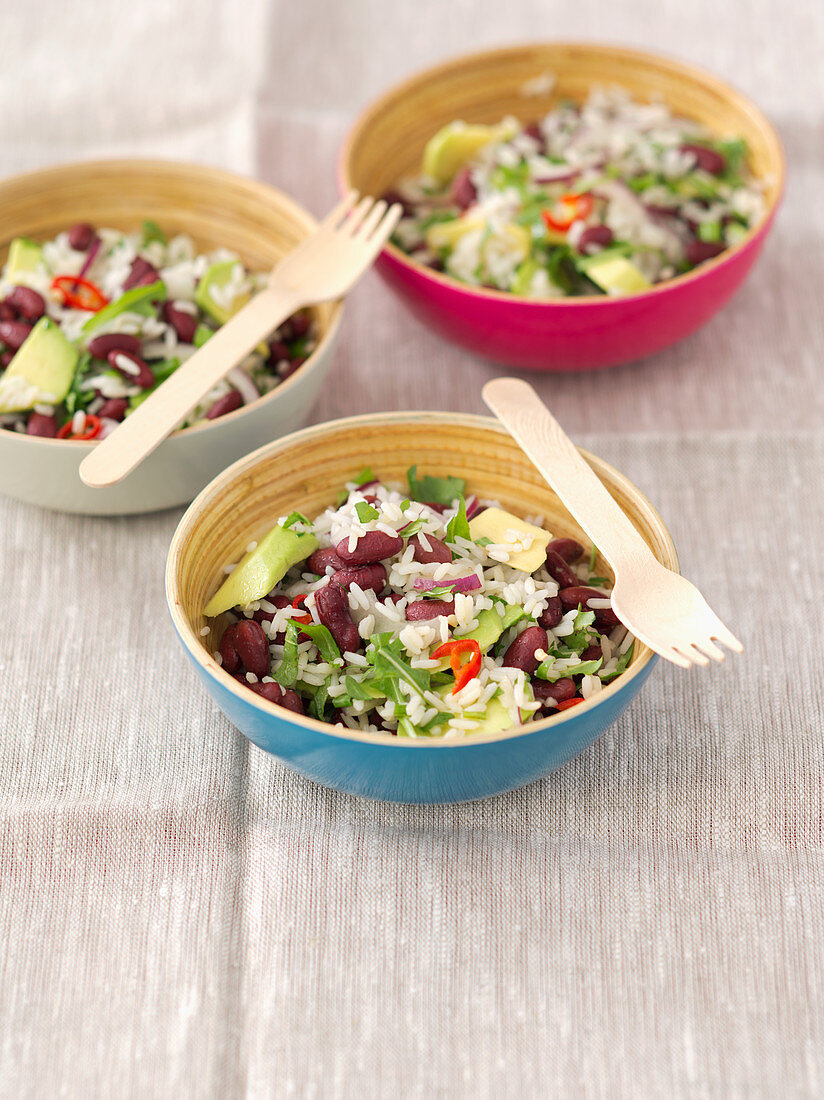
{"x": 139, "y": 299}
{"x": 491, "y": 625}
{"x": 46, "y": 361}
{"x": 259, "y": 570}
{"x": 453, "y": 146}
{"x": 497, "y": 525}
{"x": 496, "y": 717}
{"x": 24, "y": 259}
{"x": 616, "y": 275}
{"x": 216, "y": 278}
{"x": 447, "y": 234}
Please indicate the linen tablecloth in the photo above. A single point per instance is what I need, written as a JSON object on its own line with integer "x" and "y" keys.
{"x": 182, "y": 915}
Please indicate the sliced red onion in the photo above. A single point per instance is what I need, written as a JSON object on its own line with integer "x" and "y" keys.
{"x": 473, "y": 506}
{"x": 90, "y": 257}
{"x": 462, "y": 584}
{"x": 565, "y": 174}
{"x": 244, "y": 385}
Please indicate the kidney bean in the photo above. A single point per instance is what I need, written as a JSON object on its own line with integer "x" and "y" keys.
{"x": 293, "y": 366}
{"x": 141, "y": 273}
{"x": 141, "y": 374}
{"x": 463, "y": 191}
{"x": 278, "y": 351}
{"x": 699, "y": 251}
{"x": 5, "y": 358}
{"x": 271, "y": 691}
{"x": 536, "y": 133}
{"x": 27, "y": 302}
{"x": 13, "y": 333}
{"x": 558, "y": 692}
{"x": 558, "y": 569}
{"x": 570, "y": 550}
{"x": 101, "y": 346}
{"x": 42, "y": 425}
{"x": 708, "y": 160}
{"x": 292, "y": 701}
{"x": 552, "y": 614}
{"x": 300, "y": 323}
{"x": 605, "y": 617}
{"x": 395, "y": 198}
{"x": 81, "y": 237}
{"x": 592, "y": 652}
{"x": 333, "y": 611}
{"x": 371, "y": 547}
{"x": 438, "y": 552}
{"x": 226, "y": 404}
{"x": 113, "y": 409}
{"x": 228, "y": 649}
{"x": 182, "y": 322}
{"x": 423, "y": 610}
{"x": 365, "y": 576}
{"x": 252, "y": 646}
{"x": 521, "y": 652}
{"x": 594, "y": 238}
{"x": 320, "y": 559}
{"x": 7, "y": 313}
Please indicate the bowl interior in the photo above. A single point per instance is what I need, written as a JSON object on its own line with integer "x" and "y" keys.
{"x": 305, "y": 471}
{"x": 388, "y": 139}
{"x": 214, "y": 207}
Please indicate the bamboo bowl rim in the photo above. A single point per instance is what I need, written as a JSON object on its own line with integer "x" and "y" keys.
{"x": 198, "y": 512}
{"x": 253, "y": 188}
{"x": 688, "y": 72}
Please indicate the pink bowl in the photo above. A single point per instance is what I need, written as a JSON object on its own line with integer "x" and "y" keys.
{"x": 387, "y": 143}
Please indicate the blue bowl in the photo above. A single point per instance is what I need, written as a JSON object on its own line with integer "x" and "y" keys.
{"x": 303, "y": 471}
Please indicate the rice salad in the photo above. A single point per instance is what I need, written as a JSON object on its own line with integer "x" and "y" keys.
{"x": 608, "y": 197}
{"x": 92, "y": 321}
{"x": 418, "y": 612}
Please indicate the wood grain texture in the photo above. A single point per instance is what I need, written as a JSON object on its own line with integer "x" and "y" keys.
{"x": 304, "y": 472}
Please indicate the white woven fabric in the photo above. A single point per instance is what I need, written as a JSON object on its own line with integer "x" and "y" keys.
{"x": 179, "y": 914}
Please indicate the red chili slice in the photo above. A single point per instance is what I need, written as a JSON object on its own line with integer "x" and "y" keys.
{"x": 79, "y": 293}
{"x": 565, "y": 704}
{"x": 568, "y": 209}
{"x": 297, "y": 602}
{"x": 455, "y": 650}
{"x": 90, "y": 429}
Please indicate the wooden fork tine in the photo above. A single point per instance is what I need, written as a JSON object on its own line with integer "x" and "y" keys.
{"x": 711, "y": 649}
{"x": 353, "y": 222}
{"x": 726, "y": 637}
{"x": 339, "y": 212}
{"x": 372, "y": 219}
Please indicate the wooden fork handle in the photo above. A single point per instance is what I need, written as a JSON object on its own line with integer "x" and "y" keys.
{"x": 159, "y": 415}
{"x": 543, "y": 440}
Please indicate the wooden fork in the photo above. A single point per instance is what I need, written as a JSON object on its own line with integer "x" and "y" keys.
{"x": 661, "y": 608}
{"x": 321, "y": 268}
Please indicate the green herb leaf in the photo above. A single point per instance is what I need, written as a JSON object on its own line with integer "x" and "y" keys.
{"x": 286, "y": 673}
{"x": 623, "y": 662}
{"x": 364, "y": 477}
{"x": 366, "y": 512}
{"x": 317, "y": 707}
{"x": 434, "y": 490}
{"x": 152, "y": 232}
{"x": 293, "y": 518}
{"x": 321, "y": 636}
{"x": 593, "y": 557}
{"x": 458, "y": 526}
{"x": 483, "y": 541}
{"x": 710, "y": 232}
{"x": 342, "y": 497}
{"x": 545, "y": 670}
{"x": 599, "y": 582}
{"x": 362, "y": 689}
{"x": 202, "y": 334}
{"x": 442, "y": 592}
{"x": 581, "y": 631}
